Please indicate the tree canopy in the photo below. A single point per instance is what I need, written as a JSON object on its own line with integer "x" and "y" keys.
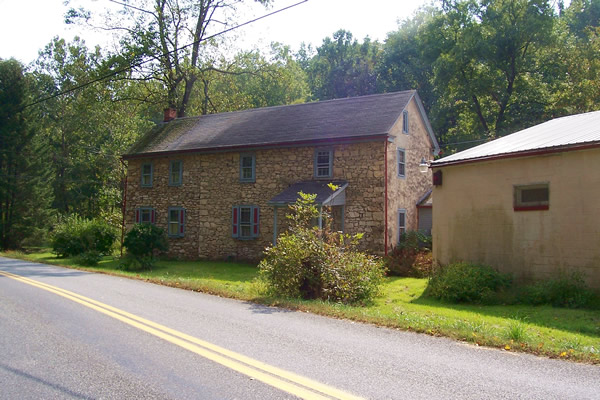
{"x": 484, "y": 68}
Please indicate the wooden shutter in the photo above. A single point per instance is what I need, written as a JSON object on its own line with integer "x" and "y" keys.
{"x": 137, "y": 215}
{"x": 255, "y": 221}
{"x": 235, "y": 225}
{"x": 181, "y": 221}
{"x": 153, "y": 216}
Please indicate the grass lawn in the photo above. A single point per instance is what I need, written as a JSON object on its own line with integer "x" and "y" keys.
{"x": 543, "y": 330}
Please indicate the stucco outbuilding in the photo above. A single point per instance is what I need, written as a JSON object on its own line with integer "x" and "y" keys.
{"x": 527, "y": 203}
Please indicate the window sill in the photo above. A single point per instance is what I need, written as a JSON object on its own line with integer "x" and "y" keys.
{"x": 531, "y": 208}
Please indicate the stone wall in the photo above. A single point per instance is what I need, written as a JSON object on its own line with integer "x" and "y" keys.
{"x": 211, "y": 187}
{"x": 405, "y": 192}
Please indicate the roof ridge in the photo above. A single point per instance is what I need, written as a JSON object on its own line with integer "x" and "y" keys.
{"x": 309, "y": 103}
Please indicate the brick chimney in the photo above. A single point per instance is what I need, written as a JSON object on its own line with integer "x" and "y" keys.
{"x": 170, "y": 114}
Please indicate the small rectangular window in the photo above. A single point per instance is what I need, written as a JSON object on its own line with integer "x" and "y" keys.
{"x": 247, "y": 168}
{"x": 401, "y": 163}
{"x": 401, "y": 223}
{"x": 145, "y": 215}
{"x": 532, "y": 197}
{"x": 147, "y": 175}
{"x": 323, "y": 163}
{"x": 176, "y": 222}
{"x": 245, "y": 222}
{"x": 404, "y": 121}
{"x": 175, "y": 173}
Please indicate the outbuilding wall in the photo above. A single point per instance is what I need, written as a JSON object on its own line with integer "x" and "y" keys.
{"x": 474, "y": 218}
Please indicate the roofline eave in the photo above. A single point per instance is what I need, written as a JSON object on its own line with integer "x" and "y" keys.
{"x": 297, "y": 143}
{"x": 525, "y": 153}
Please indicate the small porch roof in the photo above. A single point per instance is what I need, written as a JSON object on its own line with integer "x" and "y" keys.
{"x": 426, "y": 200}
{"x": 325, "y": 196}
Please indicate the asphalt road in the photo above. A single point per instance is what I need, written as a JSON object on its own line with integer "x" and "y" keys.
{"x": 56, "y": 345}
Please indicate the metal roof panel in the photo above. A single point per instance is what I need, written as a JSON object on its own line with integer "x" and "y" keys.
{"x": 557, "y": 133}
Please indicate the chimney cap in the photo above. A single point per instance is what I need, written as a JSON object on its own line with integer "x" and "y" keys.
{"x": 169, "y": 114}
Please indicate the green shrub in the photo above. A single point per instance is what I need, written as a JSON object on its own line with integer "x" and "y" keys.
{"x": 568, "y": 290}
{"x": 313, "y": 263}
{"x": 90, "y": 258}
{"x": 463, "y": 282}
{"x": 352, "y": 277}
{"x": 142, "y": 242}
{"x": 75, "y": 236}
{"x": 412, "y": 256}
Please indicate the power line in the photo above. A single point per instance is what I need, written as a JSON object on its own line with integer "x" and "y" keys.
{"x": 139, "y": 64}
{"x": 464, "y": 142}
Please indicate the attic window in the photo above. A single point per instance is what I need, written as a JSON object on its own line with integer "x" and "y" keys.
{"x": 532, "y": 197}
{"x": 405, "y": 121}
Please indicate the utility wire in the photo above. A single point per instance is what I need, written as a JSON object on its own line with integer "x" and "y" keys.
{"x": 139, "y": 64}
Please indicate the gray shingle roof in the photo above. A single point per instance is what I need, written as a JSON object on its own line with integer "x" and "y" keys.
{"x": 320, "y": 188}
{"x": 557, "y": 134}
{"x": 350, "y": 118}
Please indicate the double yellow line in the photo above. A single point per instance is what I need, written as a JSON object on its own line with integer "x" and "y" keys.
{"x": 294, "y": 384}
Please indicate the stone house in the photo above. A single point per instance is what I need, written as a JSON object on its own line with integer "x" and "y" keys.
{"x": 220, "y": 184}
{"x": 526, "y": 203}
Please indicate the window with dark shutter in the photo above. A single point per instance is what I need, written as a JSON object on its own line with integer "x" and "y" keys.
{"x": 235, "y": 217}
{"x": 145, "y": 215}
{"x": 245, "y": 222}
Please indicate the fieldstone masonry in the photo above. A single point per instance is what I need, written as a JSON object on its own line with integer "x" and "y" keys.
{"x": 211, "y": 187}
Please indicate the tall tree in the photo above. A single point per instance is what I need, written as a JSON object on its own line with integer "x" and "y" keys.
{"x": 486, "y": 68}
{"x": 87, "y": 129}
{"x": 170, "y": 33}
{"x": 403, "y": 65}
{"x": 24, "y": 196}
{"x": 252, "y": 80}
{"x": 343, "y": 67}
{"x": 574, "y": 61}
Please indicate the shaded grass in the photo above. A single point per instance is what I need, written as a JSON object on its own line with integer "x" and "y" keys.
{"x": 544, "y": 330}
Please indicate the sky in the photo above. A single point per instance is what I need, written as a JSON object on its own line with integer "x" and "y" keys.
{"x": 27, "y": 26}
